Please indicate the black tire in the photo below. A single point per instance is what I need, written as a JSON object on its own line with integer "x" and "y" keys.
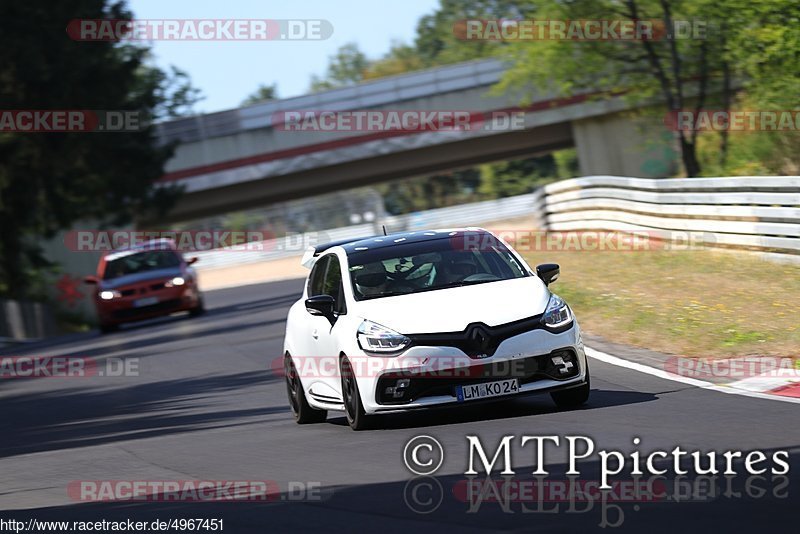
{"x": 573, "y": 397}
{"x": 108, "y": 328}
{"x": 303, "y": 413}
{"x": 353, "y": 408}
{"x": 200, "y": 309}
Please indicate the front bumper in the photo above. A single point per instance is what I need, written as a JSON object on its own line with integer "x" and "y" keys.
{"x": 433, "y": 372}
{"x": 170, "y": 300}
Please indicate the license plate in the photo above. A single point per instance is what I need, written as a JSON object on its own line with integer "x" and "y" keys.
{"x": 487, "y": 389}
{"x": 147, "y": 301}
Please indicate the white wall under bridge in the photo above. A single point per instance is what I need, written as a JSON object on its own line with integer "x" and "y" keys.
{"x": 239, "y": 159}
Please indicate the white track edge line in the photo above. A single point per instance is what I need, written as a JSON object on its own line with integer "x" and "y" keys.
{"x": 621, "y": 362}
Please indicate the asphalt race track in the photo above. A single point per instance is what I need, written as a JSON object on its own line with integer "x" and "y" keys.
{"x": 206, "y": 405}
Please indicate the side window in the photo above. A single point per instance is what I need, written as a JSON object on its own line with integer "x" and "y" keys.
{"x": 333, "y": 283}
{"x": 317, "y": 277}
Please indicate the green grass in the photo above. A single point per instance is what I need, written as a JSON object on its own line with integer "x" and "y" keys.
{"x": 693, "y": 303}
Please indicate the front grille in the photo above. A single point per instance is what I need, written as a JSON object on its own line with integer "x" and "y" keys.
{"x": 444, "y": 382}
{"x": 478, "y": 338}
{"x": 164, "y": 306}
{"x": 142, "y": 290}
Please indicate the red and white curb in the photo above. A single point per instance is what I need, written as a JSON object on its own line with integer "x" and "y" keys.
{"x": 772, "y": 384}
{"x": 776, "y": 385}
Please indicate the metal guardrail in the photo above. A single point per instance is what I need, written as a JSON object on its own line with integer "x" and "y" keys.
{"x": 25, "y": 321}
{"x": 752, "y": 212}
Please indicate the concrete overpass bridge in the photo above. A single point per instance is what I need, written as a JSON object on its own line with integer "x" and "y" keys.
{"x": 245, "y": 157}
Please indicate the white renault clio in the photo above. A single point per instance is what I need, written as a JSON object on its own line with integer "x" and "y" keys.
{"x": 421, "y": 319}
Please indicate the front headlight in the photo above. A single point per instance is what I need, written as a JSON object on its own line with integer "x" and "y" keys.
{"x": 557, "y": 313}
{"x": 177, "y": 281}
{"x": 110, "y": 294}
{"x": 373, "y": 337}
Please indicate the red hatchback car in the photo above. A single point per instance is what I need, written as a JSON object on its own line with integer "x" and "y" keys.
{"x": 149, "y": 280}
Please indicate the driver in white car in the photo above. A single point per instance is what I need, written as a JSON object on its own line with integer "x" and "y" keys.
{"x": 456, "y": 269}
{"x": 371, "y": 280}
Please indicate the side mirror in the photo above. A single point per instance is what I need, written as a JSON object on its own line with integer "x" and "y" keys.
{"x": 548, "y": 272}
{"x": 322, "y": 305}
{"x": 192, "y": 260}
{"x": 93, "y": 280}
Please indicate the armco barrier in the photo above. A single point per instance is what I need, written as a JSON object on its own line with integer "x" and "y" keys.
{"x": 752, "y": 212}
{"x": 22, "y": 321}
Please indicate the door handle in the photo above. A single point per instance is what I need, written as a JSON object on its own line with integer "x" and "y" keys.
{"x": 315, "y": 334}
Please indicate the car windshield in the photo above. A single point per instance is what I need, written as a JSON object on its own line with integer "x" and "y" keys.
{"x": 137, "y": 262}
{"x": 429, "y": 265}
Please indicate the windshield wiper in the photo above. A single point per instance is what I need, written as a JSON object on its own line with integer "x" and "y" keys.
{"x": 473, "y": 282}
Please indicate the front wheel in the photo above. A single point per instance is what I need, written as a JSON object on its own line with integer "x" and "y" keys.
{"x": 200, "y": 309}
{"x": 108, "y": 328}
{"x": 573, "y": 397}
{"x": 353, "y": 408}
{"x": 302, "y": 411}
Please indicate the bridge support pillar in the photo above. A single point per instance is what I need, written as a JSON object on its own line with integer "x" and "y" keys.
{"x": 624, "y": 146}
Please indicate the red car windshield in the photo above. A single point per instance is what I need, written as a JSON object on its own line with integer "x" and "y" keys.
{"x": 138, "y": 262}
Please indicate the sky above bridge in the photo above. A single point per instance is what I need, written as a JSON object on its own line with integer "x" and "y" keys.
{"x": 228, "y": 71}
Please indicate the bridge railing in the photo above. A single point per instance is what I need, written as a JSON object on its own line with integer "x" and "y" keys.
{"x": 753, "y": 212}
{"x": 392, "y": 89}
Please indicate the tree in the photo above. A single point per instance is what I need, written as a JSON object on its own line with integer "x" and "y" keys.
{"x": 345, "y": 67}
{"x": 264, "y": 93}
{"x": 437, "y": 42}
{"x": 683, "y": 72}
{"x": 764, "y": 43}
{"x": 48, "y": 181}
{"x": 516, "y": 177}
{"x": 401, "y": 58}
{"x": 427, "y": 192}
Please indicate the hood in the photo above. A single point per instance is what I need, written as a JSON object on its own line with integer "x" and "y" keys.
{"x": 451, "y": 310}
{"x": 145, "y": 276}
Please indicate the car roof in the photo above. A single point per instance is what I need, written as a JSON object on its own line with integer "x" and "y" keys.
{"x": 360, "y": 244}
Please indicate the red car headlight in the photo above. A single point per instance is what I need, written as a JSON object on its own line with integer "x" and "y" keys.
{"x": 175, "y": 282}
